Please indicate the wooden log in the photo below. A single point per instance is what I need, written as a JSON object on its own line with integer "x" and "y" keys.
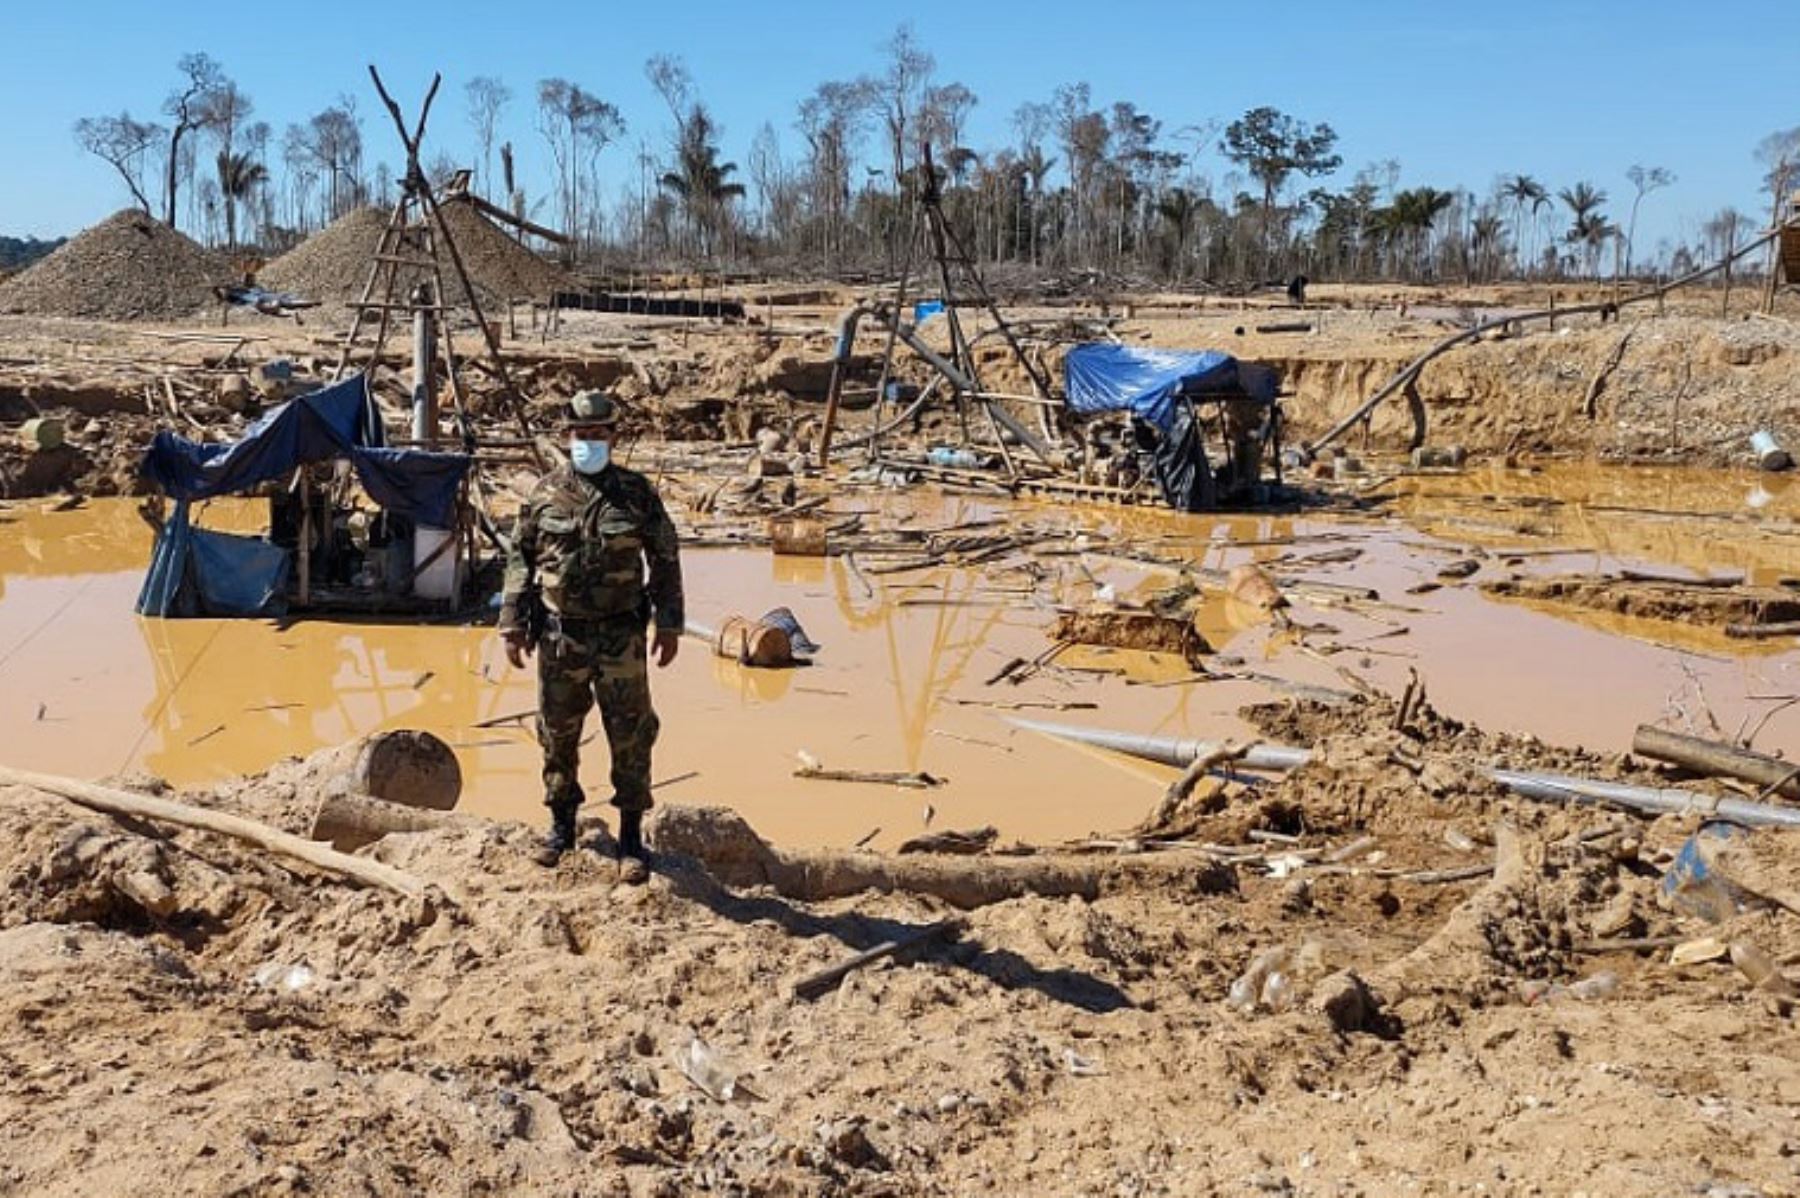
{"x": 124, "y": 802}
{"x": 1761, "y": 631}
{"x": 735, "y": 855}
{"x": 1716, "y": 760}
{"x": 41, "y": 433}
{"x": 349, "y": 821}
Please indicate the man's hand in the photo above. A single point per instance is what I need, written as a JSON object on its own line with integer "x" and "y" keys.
{"x": 668, "y": 643}
{"x": 516, "y": 648}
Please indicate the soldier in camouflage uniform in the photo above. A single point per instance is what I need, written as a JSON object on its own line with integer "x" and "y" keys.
{"x": 580, "y": 548}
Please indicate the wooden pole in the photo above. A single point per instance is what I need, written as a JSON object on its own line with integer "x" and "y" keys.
{"x": 305, "y": 537}
{"x": 125, "y": 802}
{"x": 1715, "y": 759}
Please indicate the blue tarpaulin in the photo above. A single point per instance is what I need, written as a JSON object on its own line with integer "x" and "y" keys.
{"x": 194, "y": 571}
{"x": 337, "y": 422}
{"x": 198, "y": 572}
{"x": 1119, "y": 378}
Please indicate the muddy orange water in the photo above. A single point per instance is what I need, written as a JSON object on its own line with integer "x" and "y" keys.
{"x": 90, "y": 689}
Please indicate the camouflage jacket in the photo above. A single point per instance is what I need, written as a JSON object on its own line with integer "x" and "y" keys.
{"x": 583, "y": 542}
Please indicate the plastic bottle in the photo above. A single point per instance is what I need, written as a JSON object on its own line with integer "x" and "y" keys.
{"x": 955, "y": 459}
{"x": 1247, "y": 991}
{"x": 700, "y": 1065}
{"x": 1760, "y": 971}
{"x": 1604, "y": 984}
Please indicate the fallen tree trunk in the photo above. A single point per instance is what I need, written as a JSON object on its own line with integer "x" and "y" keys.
{"x": 124, "y": 802}
{"x": 1714, "y": 759}
{"x": 735, "y": 855}
{"x": 349, "y": 821}
{"x": 1755, "y": 632}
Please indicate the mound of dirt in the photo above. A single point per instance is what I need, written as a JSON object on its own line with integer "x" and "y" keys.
{"x": 128, "y": 267}
{"x": 333, "y": 264}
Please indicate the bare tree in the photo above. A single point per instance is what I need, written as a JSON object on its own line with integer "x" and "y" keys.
{"x": 1645, "y": 179}
{"x": 187, "y": 107}
{"x": 123, "y": 144}
{"x": 487, "y": 98}
{"x": 1779, "y": 152}
{"x": 333, "y": 139}
{"x": 832, "y": 119}
{"x": 768, "y": 175}
{"x": 900, "y": 94}
{"x": 577, "y": 125}
{"x": 1032, "y": 122}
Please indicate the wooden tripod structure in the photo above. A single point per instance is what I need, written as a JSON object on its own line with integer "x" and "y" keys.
{"x": 960, "y": 285}
{"x": 417, "y": 239}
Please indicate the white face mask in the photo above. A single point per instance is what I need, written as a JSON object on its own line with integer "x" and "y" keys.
{"x": 589, "y": 457}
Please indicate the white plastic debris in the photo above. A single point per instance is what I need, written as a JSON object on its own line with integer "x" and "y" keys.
{"x": 276, "y": 976}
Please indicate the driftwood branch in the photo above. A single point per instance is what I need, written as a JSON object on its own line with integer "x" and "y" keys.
{"x": 1715, "y": 759}
{"x": 1183, "y": 786}
{"x": 124, "y": 802}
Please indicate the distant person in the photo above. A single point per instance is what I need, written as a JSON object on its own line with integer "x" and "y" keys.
{"x": 1296, "y": 290}
{"x": 576, "y": 591}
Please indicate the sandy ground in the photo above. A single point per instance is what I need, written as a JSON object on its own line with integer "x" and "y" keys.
{"x": 264, "y": 1031}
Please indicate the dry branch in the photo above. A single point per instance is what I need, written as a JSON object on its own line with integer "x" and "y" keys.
{"x": 123, "y": 802}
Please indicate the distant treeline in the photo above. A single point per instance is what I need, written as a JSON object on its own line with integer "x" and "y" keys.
{"x": 1075, "y": 185}
{"x": 16, "y": 253}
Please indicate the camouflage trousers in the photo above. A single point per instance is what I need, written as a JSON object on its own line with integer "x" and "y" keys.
{"x": 604, "y": 662}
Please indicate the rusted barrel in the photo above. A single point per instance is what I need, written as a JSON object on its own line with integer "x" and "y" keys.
{"x": 754, "y": 644}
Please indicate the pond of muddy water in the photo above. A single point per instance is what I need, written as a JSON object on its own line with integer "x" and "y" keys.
{"x": 90, "y": 689}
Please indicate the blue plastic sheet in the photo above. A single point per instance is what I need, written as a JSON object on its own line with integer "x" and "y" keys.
{"x": 1119, "y": 378}
{"x": 198, "y": 572}
{"x": 337, "y": 422}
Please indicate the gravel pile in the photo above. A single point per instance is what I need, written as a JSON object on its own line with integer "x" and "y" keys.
{"x": 127, "y": 267}
{"x": 333, "y": 264}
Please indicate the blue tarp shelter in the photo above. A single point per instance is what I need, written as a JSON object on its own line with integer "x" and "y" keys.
{"x": 1146, "y": 382}
{"x": 198, "y": 572}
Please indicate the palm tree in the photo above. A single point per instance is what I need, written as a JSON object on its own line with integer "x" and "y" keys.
{"x": 1591, "y": 231}
{"x": 1485, "y": 234}
{"x": 1409, "y": 220}
{"x": 700, "y": 181}
{"x": 1522, "y": 190}
{"x": 1037, "y": 168}
{"x": 239, "y": 177}
{"x": 1583, "y": 202}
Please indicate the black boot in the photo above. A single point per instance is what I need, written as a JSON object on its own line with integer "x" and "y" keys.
{"x": 634, "y": 860}
{"x": 561, "y": 837}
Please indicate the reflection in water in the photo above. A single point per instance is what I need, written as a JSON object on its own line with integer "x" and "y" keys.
{"x": 902, "y": 681}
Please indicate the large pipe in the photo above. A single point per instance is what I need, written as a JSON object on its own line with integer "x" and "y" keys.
{"x": 840, "y": 364}
{"x": 1555, "y": 788}
{"x": 424, "y": 395}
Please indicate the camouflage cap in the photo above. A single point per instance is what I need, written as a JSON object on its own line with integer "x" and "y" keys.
{"x": 592, "y": 407}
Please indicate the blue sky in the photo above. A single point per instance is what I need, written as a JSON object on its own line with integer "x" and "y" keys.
{"x": 1457, "y": 92}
